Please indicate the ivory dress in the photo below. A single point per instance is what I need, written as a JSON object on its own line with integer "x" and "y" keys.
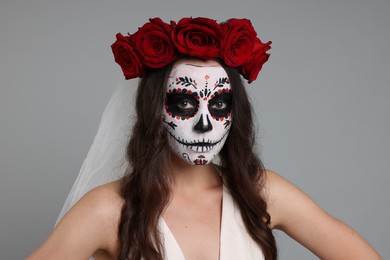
{"x": 235, "y": 242}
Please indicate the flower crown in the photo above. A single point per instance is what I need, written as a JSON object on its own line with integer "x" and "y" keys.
{"x": 156, "y": 44}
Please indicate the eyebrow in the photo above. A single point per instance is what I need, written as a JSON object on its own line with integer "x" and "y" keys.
{"x": 199, "y": 66}
{"x": 184, "y": 81}
{"x": 220, "y": 83}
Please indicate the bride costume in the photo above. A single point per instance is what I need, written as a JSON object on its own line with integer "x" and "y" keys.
{"x": 106, "y": 159}
{"x": 155, "y": 45}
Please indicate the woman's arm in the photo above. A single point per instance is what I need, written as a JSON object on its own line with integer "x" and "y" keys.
{"x": 90, "y": 226}
{"x": 293, "y": 212}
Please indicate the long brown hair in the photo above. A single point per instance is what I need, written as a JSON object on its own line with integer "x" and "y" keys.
{"x": 146, "y": 186}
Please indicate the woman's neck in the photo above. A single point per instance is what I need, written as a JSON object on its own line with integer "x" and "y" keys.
{"x": 189, "y": 178}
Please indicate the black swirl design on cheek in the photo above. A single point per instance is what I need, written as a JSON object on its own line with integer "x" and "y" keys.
{"x": 171, "y": 124}
{"x": 186, "y": 156}
{"x": 227, "y": 123}
{"x": 181, "y": 103}
{"x": 220, "y": 104}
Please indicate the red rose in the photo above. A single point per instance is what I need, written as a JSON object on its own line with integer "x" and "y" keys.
{"x": 199, "y": 37}
{"x": 239, "y": 41}
{"x": 259, "y": 56}
{"x": 154, "y": 44}
{"x": 126, "y": 57}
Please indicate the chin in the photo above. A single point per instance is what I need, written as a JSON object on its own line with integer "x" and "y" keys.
{"x": 197, "y": 158}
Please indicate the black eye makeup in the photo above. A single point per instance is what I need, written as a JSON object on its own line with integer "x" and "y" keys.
{"x": 181, "y": 105}
{"x": 221, "y": 105}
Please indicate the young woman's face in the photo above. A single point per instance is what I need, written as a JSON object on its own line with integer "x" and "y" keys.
{"x": 197, "y": 112}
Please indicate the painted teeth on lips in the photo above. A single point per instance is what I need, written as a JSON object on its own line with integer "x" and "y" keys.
{"x": 197, "y": 146}
{"x": 199, "y": 143}
{"x": 201, "y": 149}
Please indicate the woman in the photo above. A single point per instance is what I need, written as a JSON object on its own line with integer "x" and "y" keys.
{"x": 174, "y": 202}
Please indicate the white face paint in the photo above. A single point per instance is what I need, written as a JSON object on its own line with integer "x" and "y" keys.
{"x": 197, "y": 112}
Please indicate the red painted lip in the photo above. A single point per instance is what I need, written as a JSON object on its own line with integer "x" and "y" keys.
{"x": 200, "y": 162}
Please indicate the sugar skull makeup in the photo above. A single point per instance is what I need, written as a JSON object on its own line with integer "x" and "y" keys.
{"x": 197, "y": 112}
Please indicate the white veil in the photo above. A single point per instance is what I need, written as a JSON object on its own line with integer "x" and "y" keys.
{"x": 105, "y": 160}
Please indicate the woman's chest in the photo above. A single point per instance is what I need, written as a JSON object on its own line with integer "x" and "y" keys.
{"x": 193, "y": 226}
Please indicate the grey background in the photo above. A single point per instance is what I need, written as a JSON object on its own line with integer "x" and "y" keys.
{"x": 322, "y": 103}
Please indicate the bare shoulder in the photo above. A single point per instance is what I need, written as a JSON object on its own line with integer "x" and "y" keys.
{"x": 281, "y": 194}
{"x": 296, "y": 214}
{"x": 90, "y": 226}
{"x": 105, "y": 199}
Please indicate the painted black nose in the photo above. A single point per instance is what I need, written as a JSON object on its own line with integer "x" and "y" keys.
{"x": 201, "y": 127}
